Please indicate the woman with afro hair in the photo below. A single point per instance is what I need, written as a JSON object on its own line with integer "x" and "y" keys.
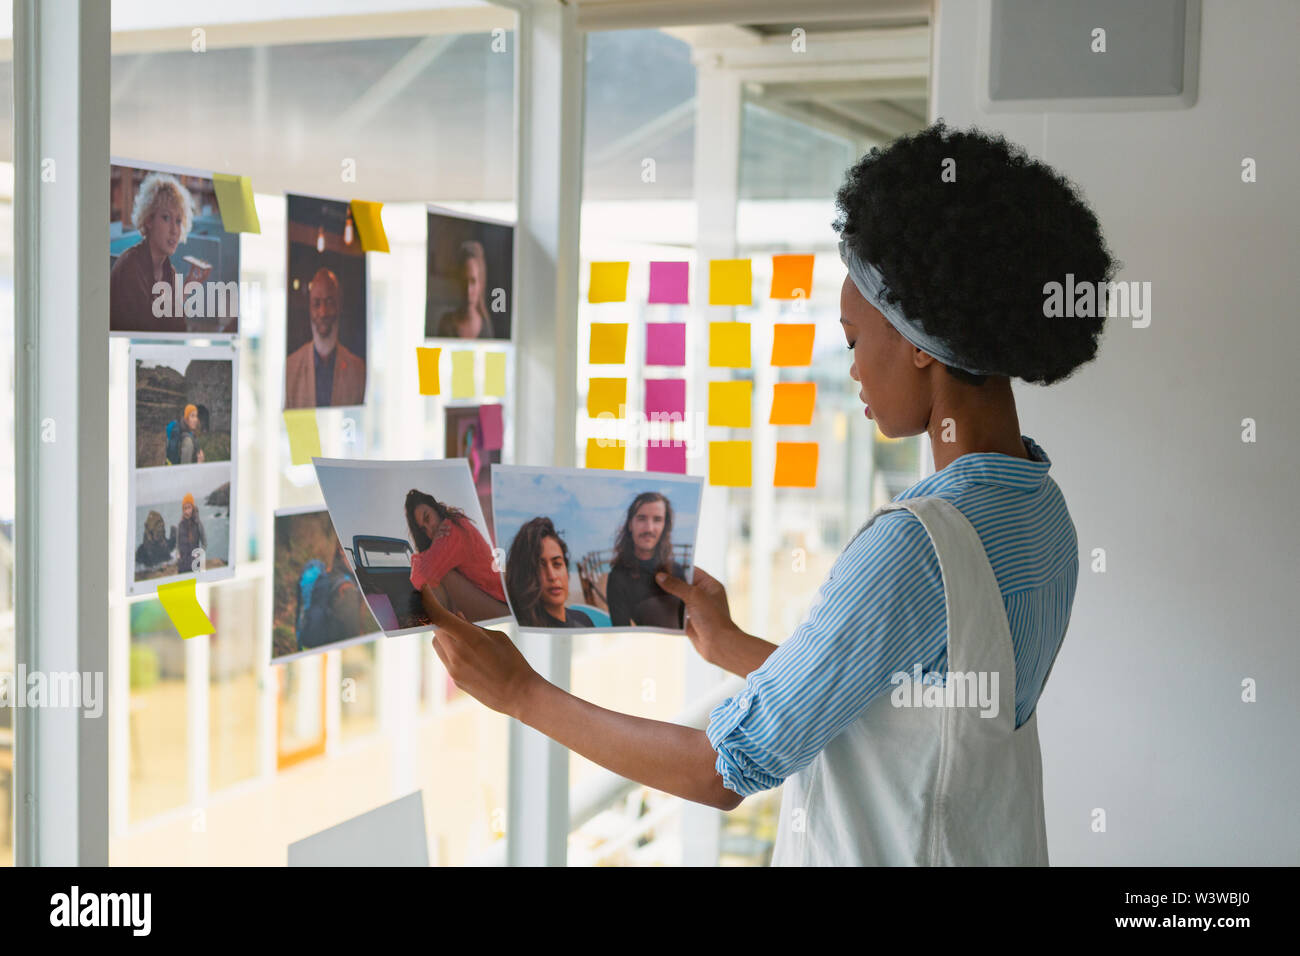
{"x": 900, "y": 716}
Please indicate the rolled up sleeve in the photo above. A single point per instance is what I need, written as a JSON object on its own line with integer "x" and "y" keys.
{"x": 880, "y": 611}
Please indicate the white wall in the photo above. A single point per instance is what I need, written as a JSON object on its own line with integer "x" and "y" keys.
{"x": 1143, "y": 714}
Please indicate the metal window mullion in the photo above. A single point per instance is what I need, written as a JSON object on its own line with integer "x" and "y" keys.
{"x": 549, "y": 71}
{"x": 61, "y": 108}
{"x": 716, "y": 186}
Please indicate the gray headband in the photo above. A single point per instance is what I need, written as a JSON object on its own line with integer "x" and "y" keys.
{"x": 872, "y": 286}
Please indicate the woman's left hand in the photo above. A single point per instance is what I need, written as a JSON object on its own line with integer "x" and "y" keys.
{"x": 485, "y": 664}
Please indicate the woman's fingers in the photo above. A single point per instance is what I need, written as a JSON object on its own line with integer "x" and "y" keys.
{"x": 437, "y": 649}
{"x": 440, "y": 617}
{"x": 702, "y": 577}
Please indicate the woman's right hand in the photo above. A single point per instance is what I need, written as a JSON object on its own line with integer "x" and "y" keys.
{"x": 708, "y": 616}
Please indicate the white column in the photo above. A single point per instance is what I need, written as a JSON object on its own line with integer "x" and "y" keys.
{"x": 548, "y": 123}
{"x": 61, "y": 93}
{"x": 717, "y": 173}
{"x": 197, "y": 686}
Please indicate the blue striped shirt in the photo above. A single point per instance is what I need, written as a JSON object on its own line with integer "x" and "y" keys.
{"x": 882, "y": 610}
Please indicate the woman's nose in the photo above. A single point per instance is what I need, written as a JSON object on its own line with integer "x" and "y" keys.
{"x": 853, "y": 372}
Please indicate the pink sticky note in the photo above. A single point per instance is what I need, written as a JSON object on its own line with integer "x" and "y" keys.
{"x": 665, "y": 343}
{"x": 489, "y": 418}
{"x": 666, "y": 458}
{"x": 669, "y": 283}
{"x": 665, "y": 396}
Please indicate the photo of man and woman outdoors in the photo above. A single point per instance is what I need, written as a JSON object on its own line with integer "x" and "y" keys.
{"x": 166, "y": 234}
{"x": 181, "y": 525}
{"x": 318, "y": 603}
{"x": 583, "y": 546}
{"x": 468, "y": 284}
{"x": 325, "y": 333}
{"x": 184, "y": 403}
{"x": 410, "y": 525}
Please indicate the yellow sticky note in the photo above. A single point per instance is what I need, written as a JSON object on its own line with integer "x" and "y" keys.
{"x": 730, "y": 404}
{"x": 792, "y": 403}
{"x": 730, "y": 281}
{"x": 607, "y": 395}
{"x": 304, "y": 435}
{"x": 792, "y": 344}
{"x": 791, "y": 277}
{"x": 608, "y": 282}
{"x": 370, "y": 226}
{"x": 235, "y": 203}
{"x": 494, "y": 374}
{"x": 180, "y": 601}
{"x": 608, "y": 343}
{"x": 462, "y": 374}
{"x": 428, "y": 359}
{"x": 729, "y": 463}
{"x": 729, "y": 344}
{"x": 796, "y": 464}
{"x": 611, "y": 456}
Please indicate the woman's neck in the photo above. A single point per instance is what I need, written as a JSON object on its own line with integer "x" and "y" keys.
{"x": 970, "y": 419}
{"x": 157, "y": 258}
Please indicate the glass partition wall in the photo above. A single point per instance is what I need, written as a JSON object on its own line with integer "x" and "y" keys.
{"x": 218, "y": 756}
{"x": 644, "y": 174}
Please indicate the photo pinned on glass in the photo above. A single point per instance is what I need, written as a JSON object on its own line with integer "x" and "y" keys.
{"x": 174, "y": 269}
{"x": 183, "y": 404}
{"x": 327, "y": 306}
{"x": 469, "y": 269}
{"x": 180, "y": 525}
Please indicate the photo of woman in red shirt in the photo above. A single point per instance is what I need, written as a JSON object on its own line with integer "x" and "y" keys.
{"x": 453, "y": 558}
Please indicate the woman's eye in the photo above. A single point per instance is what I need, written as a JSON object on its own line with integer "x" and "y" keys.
{"x": 852, "y": 344}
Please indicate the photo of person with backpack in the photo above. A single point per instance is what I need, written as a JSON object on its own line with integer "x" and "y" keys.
{"x": 183, "y": 439}
{"x": 184, "y": 404}
{"x": 318, "y": 602}
{"x": 331, "y": 607}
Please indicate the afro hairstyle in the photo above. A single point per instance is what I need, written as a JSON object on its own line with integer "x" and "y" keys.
{"x": 969, "y": 258}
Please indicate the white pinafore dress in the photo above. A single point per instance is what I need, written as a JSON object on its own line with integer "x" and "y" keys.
{"x": 929, "y": 786}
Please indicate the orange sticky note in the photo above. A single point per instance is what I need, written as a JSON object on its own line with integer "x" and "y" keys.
{"x": 791, "y": 277}
{"x": 607, "y": 395}
{"x": 180, "y": 601}
{"x": 611, "y": 456}
{"x": 729, "y": 344}
{"x": 792, "y": 343}
{"x": 428, "y": 359}
{"x": 729, "y": 464}
{"x": 608, "y": 343}
{"x": 608, "y": 282}
{"x": 792, "y": 403}
{"x": 796, "y": 464}
{"x": 730, "y": 281}
{"x": 370, "y": 226}
{"x": 730, "y": 404}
